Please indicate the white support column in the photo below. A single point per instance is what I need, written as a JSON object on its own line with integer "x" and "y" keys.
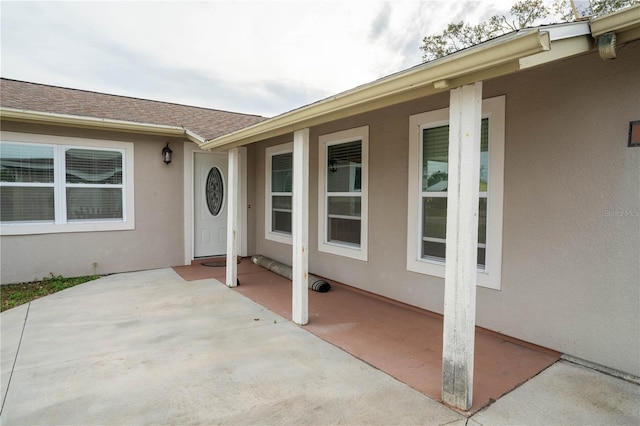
{"x": 300, "y": 228}
{"x": 233, "y": 191}
{"x": 242, "y": 203}
{"x": 465, "y": 116}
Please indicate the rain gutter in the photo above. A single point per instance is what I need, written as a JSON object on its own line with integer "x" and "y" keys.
{"x": 625, "y": 23}
{"x": 39, "y": 117}
{"x": 491, "y": 59}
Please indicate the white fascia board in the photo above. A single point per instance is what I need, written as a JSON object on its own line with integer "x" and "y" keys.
{"x": 21, "y": 115}
{"x": 410, "y": 84}
{"x": 566, "y": 30}
{"x": 194, "y": 137}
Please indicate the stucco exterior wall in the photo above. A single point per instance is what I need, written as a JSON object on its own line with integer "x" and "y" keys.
{"x": 571, "y": 244}
{"x": 570, "y": 257}
{"x": 157, "y": 240}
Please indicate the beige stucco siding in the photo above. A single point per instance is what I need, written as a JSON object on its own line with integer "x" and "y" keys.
{"x": 157, "y": 240}
{"x": 570, "y": 262}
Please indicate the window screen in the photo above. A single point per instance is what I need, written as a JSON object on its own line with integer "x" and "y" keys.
{"x": 344, "y": 192}
{"x": 88, "y": 183}
{"x": 27, "y": 179}
{"x": 281, "y": 192}
{"x": 435, "y": 180}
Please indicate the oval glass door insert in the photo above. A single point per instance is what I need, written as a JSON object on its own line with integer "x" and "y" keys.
{"x": 214, "y": 191}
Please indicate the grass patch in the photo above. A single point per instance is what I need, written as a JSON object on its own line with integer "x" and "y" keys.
{"x": 12, "y": 295}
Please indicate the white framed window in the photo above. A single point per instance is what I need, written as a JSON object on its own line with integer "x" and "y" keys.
{"x": 428, "y": 185}
{"x": 56, "y": 184}
{"x": 279, "y": 192}
{"x": 343, "y": 193}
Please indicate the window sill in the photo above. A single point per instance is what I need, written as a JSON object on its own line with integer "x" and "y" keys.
{"x": 51, "y": 228}
{"x": 344, "y": 250}
{"x": 279, "y": 238}
{"x": 437, "y": 269}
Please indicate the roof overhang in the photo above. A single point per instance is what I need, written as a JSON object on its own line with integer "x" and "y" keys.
{"x": 625, "y": 24}
{"x": 37, "y": 117}
{"x": 494, "y": 58}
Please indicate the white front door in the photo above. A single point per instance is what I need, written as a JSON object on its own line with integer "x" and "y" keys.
{"x": 210, "y": 204}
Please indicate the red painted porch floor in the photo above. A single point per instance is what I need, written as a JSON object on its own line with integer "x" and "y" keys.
{"x": 403, "y": 341}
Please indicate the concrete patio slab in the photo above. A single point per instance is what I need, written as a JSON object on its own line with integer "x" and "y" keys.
{"x": 11, "y": 324}
{"x": 151, "y": 348}
{"x": 403, "y": 341}
{"x": 566, "y": 393}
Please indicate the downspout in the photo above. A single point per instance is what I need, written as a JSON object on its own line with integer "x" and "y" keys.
{"x": 607, "y": 46}
{"x": 616, "y": 28}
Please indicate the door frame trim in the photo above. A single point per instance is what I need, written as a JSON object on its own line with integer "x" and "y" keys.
{"x": 190, "y": 151}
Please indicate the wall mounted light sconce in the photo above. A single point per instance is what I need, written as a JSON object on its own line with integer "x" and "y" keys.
{"x": 333, "y": 165}
{"x": 166, "y": 154}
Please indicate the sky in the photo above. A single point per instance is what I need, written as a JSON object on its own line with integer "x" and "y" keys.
{"x": 256, "y": 57}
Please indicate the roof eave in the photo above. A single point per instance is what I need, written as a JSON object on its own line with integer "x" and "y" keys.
{"x": 39, "y": 117}
{"x": 491, "y": 59}
{"x": 625, "y": 23}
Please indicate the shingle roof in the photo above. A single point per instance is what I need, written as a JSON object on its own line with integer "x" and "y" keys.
{"x": 208, "y": 123}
